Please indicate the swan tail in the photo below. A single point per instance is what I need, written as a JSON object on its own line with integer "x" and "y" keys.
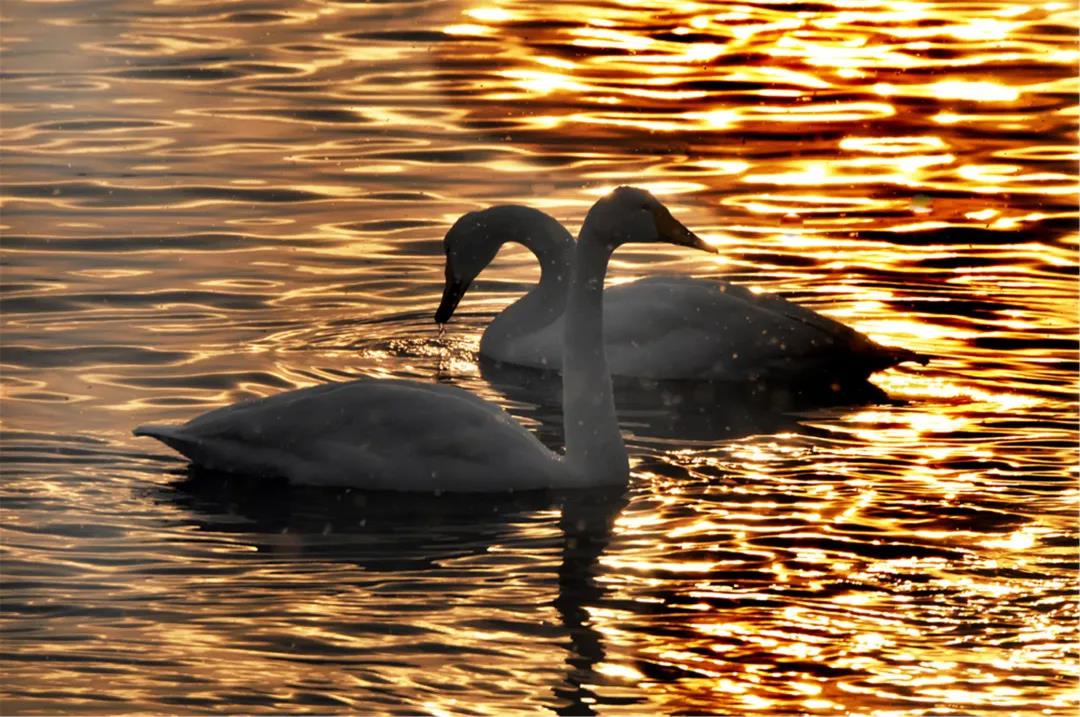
{"x": 218, "y": 453}
{"x": 172, "y": 436}
{"x": 892, "y": 356}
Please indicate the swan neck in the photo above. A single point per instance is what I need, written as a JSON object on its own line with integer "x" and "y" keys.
{"x": 552, "y": 246}
{"x": 594, "y": 447}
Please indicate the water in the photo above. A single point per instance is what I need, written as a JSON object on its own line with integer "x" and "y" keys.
{"x": 206, "y": 202}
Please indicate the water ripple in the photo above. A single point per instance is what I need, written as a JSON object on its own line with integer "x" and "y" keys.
{"x": 207, "y": 203}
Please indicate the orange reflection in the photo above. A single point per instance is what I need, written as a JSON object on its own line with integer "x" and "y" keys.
{"x": 274, "y": 222}
{"x": 839, "y": 66}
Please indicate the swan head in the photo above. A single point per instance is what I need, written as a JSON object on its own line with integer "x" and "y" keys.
{"x": 475, "y": 239}
{"x": 633, "y": 215}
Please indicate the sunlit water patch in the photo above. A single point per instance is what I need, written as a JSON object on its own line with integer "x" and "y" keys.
{"x": 207, "y": 202}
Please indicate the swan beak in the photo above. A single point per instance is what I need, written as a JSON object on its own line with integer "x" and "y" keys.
{"x": 452, "y": 293}
{"x": 672, "y": 230}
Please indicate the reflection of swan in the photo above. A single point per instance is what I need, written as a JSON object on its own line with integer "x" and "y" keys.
{"x": 404, "y": 435}
{"x": 379, "y": 531}
{"x": 662, "y": 327}
{"x": 417, "y": 536}
{"x": 586, "y": 525}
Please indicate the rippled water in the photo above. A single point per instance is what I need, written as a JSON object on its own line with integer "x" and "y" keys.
{"x": 205, "y": 202}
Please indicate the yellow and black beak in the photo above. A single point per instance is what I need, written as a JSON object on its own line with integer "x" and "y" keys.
{"x": 452, "y": 293}
{"x": 672, "y": 230}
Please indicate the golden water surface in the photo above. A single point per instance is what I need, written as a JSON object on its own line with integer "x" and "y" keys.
{"x": 209, "y": 201}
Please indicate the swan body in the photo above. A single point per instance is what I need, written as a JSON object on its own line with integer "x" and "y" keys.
{"x": 659, "y": 327}
{"x": 403, "y": 435}
{"x": 391, "y": 434}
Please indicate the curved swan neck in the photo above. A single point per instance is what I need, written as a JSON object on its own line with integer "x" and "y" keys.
{"x": 552, "y": 246}
{"x": 594, "y": 446}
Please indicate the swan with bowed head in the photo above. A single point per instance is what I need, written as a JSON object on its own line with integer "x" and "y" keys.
{"x": 387, "y": 434}
{"x": 659, "y": 327}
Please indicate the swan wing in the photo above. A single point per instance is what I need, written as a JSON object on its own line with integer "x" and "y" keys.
{"x": 372, "y": 434}
{"x": 682, "y": 327}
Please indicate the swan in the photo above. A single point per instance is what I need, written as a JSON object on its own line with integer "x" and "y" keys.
{"x": 388, "y": 434}
{"x": 659, "y": 327}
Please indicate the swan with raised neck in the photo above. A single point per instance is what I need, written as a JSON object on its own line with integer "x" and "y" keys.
{"x": 405, "y": 435}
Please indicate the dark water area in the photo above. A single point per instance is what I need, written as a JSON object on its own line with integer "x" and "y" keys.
{"x": 207, "y": 202}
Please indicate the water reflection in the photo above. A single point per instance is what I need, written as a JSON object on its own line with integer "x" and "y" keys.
{"x": 413, "y": 534}
{"x": 205, "y": 203}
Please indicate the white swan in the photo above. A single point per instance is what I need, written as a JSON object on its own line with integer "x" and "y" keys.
{"x": 409, "y": 436}
{"x": 660, "y": 327}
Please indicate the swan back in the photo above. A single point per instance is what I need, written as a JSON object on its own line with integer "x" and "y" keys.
{"x": 383, "y": 434}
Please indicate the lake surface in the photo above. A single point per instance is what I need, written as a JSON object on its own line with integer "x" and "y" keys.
{"x": 210, "y": 201}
